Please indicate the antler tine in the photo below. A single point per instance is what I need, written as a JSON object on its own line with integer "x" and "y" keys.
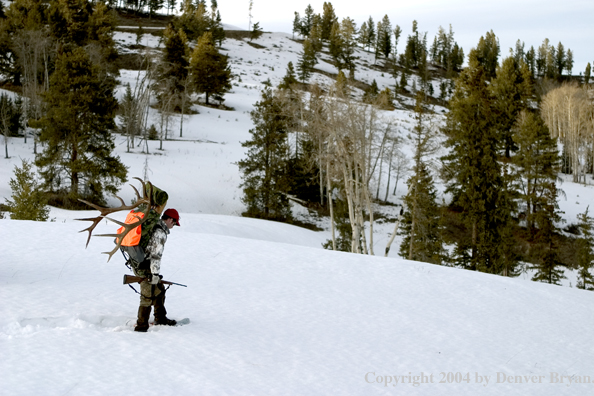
{"x": 145, "y": 199}
{"x": 90, "y": 229}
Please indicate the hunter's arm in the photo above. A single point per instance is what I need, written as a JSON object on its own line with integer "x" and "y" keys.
{"x": 155, "y": 248}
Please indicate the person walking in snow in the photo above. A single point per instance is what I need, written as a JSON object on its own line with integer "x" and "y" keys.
{"x": 152, "y": 291}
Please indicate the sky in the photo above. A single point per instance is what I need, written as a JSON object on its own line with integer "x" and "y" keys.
{"x": 531, "y": 21}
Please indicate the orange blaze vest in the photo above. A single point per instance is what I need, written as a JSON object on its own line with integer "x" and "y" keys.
{"x": 133, "y": 237}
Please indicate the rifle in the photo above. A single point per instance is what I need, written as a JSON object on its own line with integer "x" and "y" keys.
{"x": 137, "y": 279}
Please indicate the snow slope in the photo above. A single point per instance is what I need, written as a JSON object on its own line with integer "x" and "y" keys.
{"x": 272, "y": 313}
{"x": 270, "y": 316}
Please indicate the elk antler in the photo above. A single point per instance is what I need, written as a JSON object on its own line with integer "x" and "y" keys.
{"x": 147, "y": 198}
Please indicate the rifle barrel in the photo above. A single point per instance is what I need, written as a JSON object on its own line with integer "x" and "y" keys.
{"x": 137, "y": 279}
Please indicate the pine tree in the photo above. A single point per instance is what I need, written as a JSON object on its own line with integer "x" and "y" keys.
{"x": 256, "y": 31}
{"x": 307, "y": 61}
{"x": 307, "y": 21}
{"x": 315, "y": 35}
{"x": 547, "y": 269}
{"x": 587, "y": 73}
{"x": 77, "y": 160}
{"x": 297, "y": 24}
{"x": 537, "y": 163}
{"x": 363, "y": 37}
{"x": 335, "y": 46}
{"x": 585, "y": 251}
{"x": 560, "y": 59}
{"x": 194, "y": 20}
{"x": 264, "y": 171}
{"x": 172, "y": 71}
{"x": 471, "y": 169}
{"x": 28, "y": 201}
{"x": 384, "y": 37}
{"x": 289, "y": 79}
{"x": 210, "y": 71}
{"x": 372, "y": 33}
{"x": 348, "y": 31}
{"x": 511, "y": 89}
{"x": 486, "y": 54}
{"x": 569, "y": 62}
{"x": 328, "y": 19}
{"x": 421, "y": 222}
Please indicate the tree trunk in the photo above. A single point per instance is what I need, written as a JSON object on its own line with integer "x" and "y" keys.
{"x": 331, "y": 205}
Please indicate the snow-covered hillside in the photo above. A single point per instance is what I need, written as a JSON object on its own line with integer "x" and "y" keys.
{"x": 277, "y": 318}
{"x": 271, "y": 312}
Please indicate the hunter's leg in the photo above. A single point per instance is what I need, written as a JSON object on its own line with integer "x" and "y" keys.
{"x": 144, "y": 311}
{"x": 160, "y": 311}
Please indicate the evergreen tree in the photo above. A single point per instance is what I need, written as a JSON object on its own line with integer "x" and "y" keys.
{"x": 256, "y": 31}
{"x": 569, "y": 62}
{"x": 297, "y": 24}
{"x": 537, "y": 164}
{"x": 307, "y": 21}
{"x": 335, "y": 46}
{"x": 531, "y": 62}
{"x": 363, "y": 37}
{"x": 328, "y": 19}
{"x": 585, "y": 251}
{"x": 511, "y": 90}
{"x": 289, "y": 79}
{"x": 194, "y": 20}
{"x": 210, "y": 71}
{"x": 560, "y": 59}
{"x": 11, "y": 114}
{"x": 215, "y": 27}
{"x": 307, "y": 61}
{"x": 384, "y": 37}
{"x": 28, "y": 201}
{"x": 486, "y": 54}
{"x": 172, "y": 71}
{"x": 77, "y": 160}
{"x": 315, "y": 36}
{"x": 587, "y": 73}
{"x": 348, "y": 31}
{"x": 471, "y": 169}
{"x": 264, "y": 171}
{"x": 372, "y": 33}
{"x": 421, "y": 221}
{"x": 547, "y": 269}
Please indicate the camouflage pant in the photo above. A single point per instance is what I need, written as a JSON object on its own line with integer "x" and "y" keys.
{"x": 152, "y": 295}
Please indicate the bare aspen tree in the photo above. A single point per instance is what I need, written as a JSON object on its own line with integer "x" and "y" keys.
{"x": 400, "y": 163}
{"x": 33, "y": 48}
{"x": 567, "y": 111}
{"x": 356, "y": 136}
{"x": 5, "y": 124}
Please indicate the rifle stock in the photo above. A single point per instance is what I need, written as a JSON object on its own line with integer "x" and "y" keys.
{"x": 137, "y": 279}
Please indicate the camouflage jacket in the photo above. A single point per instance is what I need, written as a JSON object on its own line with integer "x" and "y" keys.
{"x": 156, "y": 245}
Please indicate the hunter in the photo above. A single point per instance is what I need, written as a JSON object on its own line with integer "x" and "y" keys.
{"x": 152, "y": 291}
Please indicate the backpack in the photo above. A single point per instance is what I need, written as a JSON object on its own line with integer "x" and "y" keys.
{"x": 134, "y": 244}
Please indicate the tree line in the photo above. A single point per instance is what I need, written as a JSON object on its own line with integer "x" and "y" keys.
{"x": 501, "y": 167}
{"x": 59, "y": 57}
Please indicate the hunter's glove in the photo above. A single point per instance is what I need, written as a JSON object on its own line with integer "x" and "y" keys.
{"x": 155, "y": 278}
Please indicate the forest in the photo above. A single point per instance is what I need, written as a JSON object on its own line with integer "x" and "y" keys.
{"x": 512, "y": 126}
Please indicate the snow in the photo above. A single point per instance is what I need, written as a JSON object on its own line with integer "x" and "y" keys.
{"x": 272, "y": 313}
{"x": 271, "y": 316}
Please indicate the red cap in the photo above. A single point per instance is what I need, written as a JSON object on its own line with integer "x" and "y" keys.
{"x": 172, "y": 213}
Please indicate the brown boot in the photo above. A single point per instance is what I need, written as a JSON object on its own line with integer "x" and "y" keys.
{"x": 161, "y": 312}
{"x": 142, "y": 324}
